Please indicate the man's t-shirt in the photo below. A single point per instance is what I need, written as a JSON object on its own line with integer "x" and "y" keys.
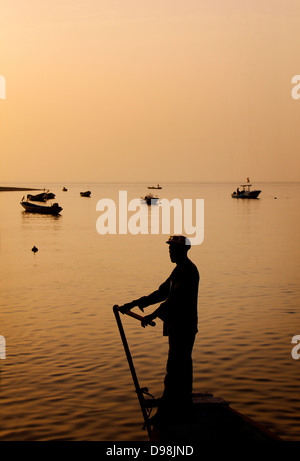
{"x": 180, "y": 295}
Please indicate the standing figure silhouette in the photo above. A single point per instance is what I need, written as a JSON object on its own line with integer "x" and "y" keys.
{"x": 178, "y": 296}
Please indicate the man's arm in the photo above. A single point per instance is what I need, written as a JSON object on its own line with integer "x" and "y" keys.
{"x": 156, "y": 297}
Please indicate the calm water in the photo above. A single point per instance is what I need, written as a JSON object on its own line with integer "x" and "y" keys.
{"x": 65, "y": 375}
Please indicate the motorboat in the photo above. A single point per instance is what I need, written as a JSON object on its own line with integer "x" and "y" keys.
{"x": 150, "y": 199}
{"x": 245, "y": 192}
{"x": 155, "y": 187}
{"x": 53, "y": 209}
{"x": 42, "y": 197}
{"x": 37, "y": 198}
{"x": 64, "y": 189}
{"x": 86, "y": 193}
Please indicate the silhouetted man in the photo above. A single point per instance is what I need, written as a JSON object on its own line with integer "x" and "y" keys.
{"x": 178, "y": 310}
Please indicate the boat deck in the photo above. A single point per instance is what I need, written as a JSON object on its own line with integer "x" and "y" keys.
{"x": 213, "y": 420}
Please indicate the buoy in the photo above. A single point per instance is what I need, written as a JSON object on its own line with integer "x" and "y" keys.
{"x": 34, "y": 249}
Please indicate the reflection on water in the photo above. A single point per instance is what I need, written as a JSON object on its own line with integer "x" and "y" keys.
{"x": 30, "y": 217}
{"x": 65, "y": 375}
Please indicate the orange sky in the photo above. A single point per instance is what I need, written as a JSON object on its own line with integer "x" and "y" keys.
{"x": 131, "y": 90}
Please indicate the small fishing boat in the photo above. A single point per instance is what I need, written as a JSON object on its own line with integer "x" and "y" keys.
{"x": 64, "y": 189}
{"x": 245, "y": 192}
{"x": 42, "y": 197}
{"x": 155, "y": 187}
{"x": 86, "y": 193}
{"x": 37, "y": 198}
{"x": 53, "y": 209}
{"x": 150, "y": 199}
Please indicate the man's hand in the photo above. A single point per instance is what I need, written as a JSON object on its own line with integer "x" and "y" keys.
{"x": 147, "y": 320}
{"x": 127, "y": 307}
{"x": 140, "y": 303}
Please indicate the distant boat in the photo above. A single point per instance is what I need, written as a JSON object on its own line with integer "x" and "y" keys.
{"x": 42, "y": 197}
{"x": 53, "y": 209}
{"x": 85, "y": 194}
{"x": 150, "y": 199}
{"x": 155, "y": 187}
{"x": 37, "y": 198}
{"x": 64, "y": 189}
{"x": 245, "y": 192}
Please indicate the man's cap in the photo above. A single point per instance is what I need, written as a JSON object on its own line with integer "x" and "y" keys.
{"x": 179, "y": 240}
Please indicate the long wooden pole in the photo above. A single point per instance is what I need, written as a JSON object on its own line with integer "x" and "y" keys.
{"x": 131, "y": 366}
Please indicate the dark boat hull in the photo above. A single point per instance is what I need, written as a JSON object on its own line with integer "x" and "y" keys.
{"x": 85, "y": 194}
{"x": 43, "y": 197}
{"x": 246, "y": 194}
{"x": 37, "y": 198}
{"x": 213, "y": 421}
{"x": 49, "y": 210}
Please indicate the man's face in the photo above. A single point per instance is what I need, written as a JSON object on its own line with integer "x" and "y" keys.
{"x": 175, "y": 252}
